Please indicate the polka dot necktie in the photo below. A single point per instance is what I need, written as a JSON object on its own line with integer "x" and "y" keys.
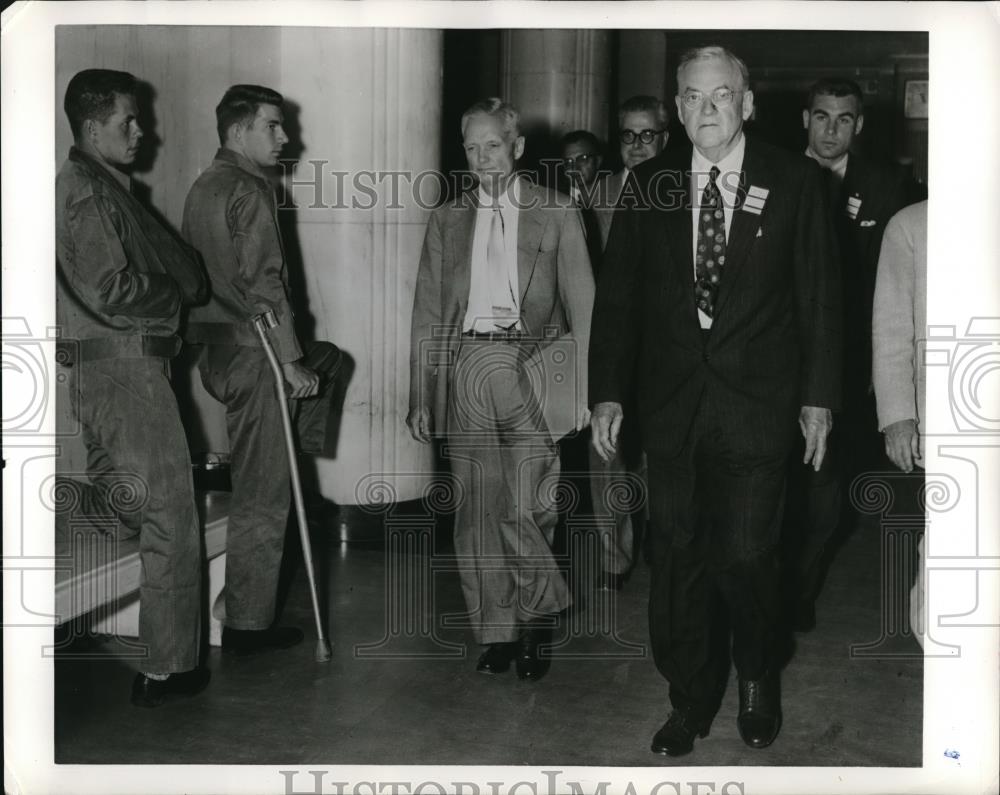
{"x": 711, "y": 256}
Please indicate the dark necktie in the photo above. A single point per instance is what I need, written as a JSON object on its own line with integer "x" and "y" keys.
{"x": 711, "y": 256}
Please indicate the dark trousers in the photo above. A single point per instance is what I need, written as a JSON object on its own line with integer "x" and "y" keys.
{"x": 241, "y": 378}
{"x": 715, "y": 519}
{"x": 817, "y": 501}
{"x": 136, "y": 446}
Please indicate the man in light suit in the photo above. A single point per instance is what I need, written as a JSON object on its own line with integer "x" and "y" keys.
{"x": 898, "y": 324}
{"x": 503, "y": 275}
{"x": 863, "y": 196}
{"x": 720, "y": 292}
{"x": 617, "y": 486}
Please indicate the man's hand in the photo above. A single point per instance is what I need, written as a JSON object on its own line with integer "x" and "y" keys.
{"x": 420, "y": 422}
{"x": 902, "y": 444}
{"x": 816, "y": 424}
{"x": 605, "y": 423}
{"x": 302, "y": 382}
{"x": 582, "y": 418}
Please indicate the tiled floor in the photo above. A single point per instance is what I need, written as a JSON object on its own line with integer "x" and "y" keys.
{"x": 401, "y": 688}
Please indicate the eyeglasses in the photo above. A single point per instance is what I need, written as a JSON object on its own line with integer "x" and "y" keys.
{"x": 579, "y": 160}
{"x": 646, "y": 136}
{"x": 721, "y": 98}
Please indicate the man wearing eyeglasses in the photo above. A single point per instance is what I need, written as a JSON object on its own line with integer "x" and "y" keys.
{"x": 720, "y": 295}
{"x": 864, "y": 195}
{"x": 642, "y": 134}
{"x": 581, "y": 160}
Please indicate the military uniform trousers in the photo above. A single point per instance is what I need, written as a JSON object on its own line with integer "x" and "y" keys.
{"x": 132, "y": 430}
{"x": 240, "y": 377}
{"x": 506, "y": 471}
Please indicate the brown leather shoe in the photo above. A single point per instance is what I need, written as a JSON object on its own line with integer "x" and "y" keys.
{"x": 148, "y": 692}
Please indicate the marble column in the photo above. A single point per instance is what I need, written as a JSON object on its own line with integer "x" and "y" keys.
{"x": 559, "y": 79}
{"x": 367, "y": 106}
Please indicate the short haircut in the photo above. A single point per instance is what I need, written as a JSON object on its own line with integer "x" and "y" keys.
{"x": 836, "y": 87}
{"x": 643, "y": 103}
{"x": 92, "y": 94}
{"x": 582, "y": 137}
{"x": 239, "y": 105}
{"x": 510, "y": 119}
{"x": 703, "y": 53}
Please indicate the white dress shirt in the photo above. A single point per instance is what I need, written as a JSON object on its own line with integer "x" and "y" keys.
{"x": 487, "y": 312}
{"x": 728, "y": 183}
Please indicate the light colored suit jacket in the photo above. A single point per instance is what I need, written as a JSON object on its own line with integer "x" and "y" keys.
{"x": 899, "y": 318}
{"x": 554, "y": 279}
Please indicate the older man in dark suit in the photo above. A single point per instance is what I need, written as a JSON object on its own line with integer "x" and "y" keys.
{"x": 721, "y": 292}
{"x": 504, "y": 274}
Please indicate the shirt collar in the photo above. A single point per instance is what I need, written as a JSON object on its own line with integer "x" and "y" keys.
{"x": 839, "y": 168}
{"x": 731, "y": 162}
{"x": 240, "y": 161}
{"x": 509, "y": 197}
{"x": 123, "y": 179}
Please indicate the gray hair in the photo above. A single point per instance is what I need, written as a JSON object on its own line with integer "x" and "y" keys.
{"x": 704, "y": 53}
{"x": 510, "y": 118}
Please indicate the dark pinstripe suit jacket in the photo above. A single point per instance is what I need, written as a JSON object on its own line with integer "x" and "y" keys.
{"x": 775, "y": 344}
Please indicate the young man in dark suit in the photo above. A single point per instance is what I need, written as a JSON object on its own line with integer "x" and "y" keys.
{"x": 721, "y": 292}
{"x": 863, "y": 195}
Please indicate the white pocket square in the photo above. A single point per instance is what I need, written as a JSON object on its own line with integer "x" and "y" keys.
{"x": 866, "y": 224}
{"x": 760, "y": 231}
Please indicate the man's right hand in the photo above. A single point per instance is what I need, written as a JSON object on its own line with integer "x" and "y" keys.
{"x": 902, "y": 444}
{"x": 605, "y": 423}
{"x": 302, "y": 382}
{"x": 420, "y": 423}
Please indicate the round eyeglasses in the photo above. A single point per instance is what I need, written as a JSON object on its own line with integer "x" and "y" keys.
{"x": 646, "y": 136}
{"x": 721, "y": 98}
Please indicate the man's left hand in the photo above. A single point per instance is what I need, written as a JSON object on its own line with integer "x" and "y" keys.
{"x": 582, "y": 418}
{"x": 816, "y": 424}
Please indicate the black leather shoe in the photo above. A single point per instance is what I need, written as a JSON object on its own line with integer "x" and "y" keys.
{"x": 760, "y": 711}
{"x": 529, "y": 664}
{"x": 676, "y": 736}
{"x": 609, "y": 581}
{"x": 148, "y": 692}
{"x": 497, "y": 658}
{"x": 243, "y": 642}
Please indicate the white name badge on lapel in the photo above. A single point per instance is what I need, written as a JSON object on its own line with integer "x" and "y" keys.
{"x": 853, "y": 207}
{"x": 755, "y": 199}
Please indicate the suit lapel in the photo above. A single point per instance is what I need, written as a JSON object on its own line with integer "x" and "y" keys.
{"x": 463, "y": 223}
{"x": 745, "y": 223}
{"x": 530, "y": 227}
{"x": 678, "y": 222}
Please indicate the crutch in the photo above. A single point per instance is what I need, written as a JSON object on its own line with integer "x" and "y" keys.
{"x": 262, "y": 323}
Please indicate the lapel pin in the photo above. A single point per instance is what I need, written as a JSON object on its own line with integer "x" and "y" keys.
{"x": 755, "y": 199}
